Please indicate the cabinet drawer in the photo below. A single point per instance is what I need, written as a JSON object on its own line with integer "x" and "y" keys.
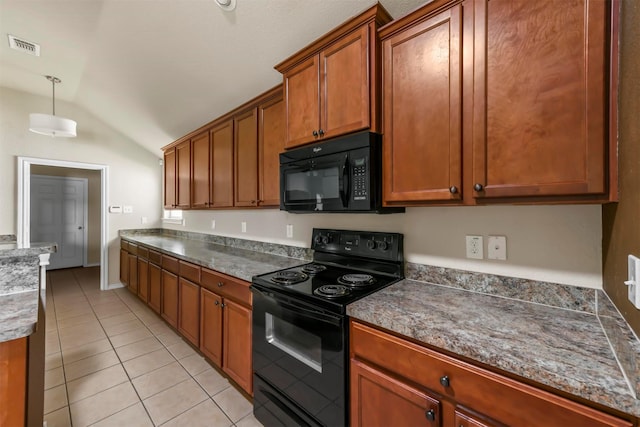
{"x": 226, "y": 286}
{"x": 155, "y": 257}
{"x": 133, "y": 249}
{"x": 189, "y": 271}
{"x": 124, "y": 245}
{"x": 170, "y": 263}
{"x": 469, "y": 385}
{"x": 143, "y": 252}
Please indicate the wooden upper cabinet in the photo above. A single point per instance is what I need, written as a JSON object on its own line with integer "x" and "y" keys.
{"x": 540, "y": 100}
{"x": 246, "y": 158}
{"x": 344, "y": 84}
{"x": 271, "y": 138}
{"x": 222, "y": 165}
{"x": 302, "y": 88}
{"x": 201, "y": 174}
{"x": 422, "y": 158}
{"x": 183, "y": 175}
{"x": 332, "y": 86}
{"x": 170, "y": 199}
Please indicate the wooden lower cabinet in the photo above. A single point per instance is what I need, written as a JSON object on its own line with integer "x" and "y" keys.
{"x": 155, "y": 286}
{"x": 225, "y": 337}
{"x": 397, "y": 382}
{"x": 13, "y": 382}
{"x": 189, "y": 310}
{"x": 169, "y": 307}
{"x": 143, "y": 279}
{"x": 124, "y": 267}
{"x": 236, "y": 348}
{"x": 133, "y": 273}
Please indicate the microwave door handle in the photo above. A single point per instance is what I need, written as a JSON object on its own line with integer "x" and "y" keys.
{"x": 344, "y": 190}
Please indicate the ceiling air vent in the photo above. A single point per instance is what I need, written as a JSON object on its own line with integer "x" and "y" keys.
{"x": 24, "y": 46}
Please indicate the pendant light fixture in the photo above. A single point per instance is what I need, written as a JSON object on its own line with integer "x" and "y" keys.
{"x": 226, "y": 5}
{"x": 52, "y": 125}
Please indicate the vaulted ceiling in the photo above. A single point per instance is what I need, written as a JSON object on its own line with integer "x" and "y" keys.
{"x": 157, "y": 69}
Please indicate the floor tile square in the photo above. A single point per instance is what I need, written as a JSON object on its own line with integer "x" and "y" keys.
{"x": 174, "y": 401}
{"x": 148, "y": 362}
{"x": 159, "y": 380}
{"x": 131, "y": 351}
{"x": 130, "y": 337}
{"x": 70, "y": 355}
{"x": 55, "y": 398}
{"x": 205, "y": 414}
{"x": 133, "y": 416}
{"x": 53, "y": 360}
{"x": 77, "y": 320}
{"x": 59, "y": 418}
{"x": 233, "y": 403}
{"x": 212, "y": 382}
{"x": 53, "y": 377}
{"x": 169, "y": 339}
{"x": 249, "y": 421}
{"x": 121, "y": 327}
{"x": 181, "y": 350}
{"x": 91, "y": 384}
{"x": 90, "y": 365}
{"x": 102, "y": 405}
{"x": 194, "y": 364}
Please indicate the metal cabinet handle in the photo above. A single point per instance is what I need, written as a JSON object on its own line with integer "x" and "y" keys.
{"x": 430, "y": 414}
{"x": 217, "y": 302}
{"x": 321, "y": 132}
{"x": 315, "y": 133}
{"x": 445, "y": 381}
{"x": 223, "y": 305}
{"x": 453, "y": 189}
{"x": 220, "y": 284}
{"x": 478, "y": 187}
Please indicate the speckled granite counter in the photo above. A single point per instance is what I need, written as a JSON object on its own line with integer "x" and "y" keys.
{"x": 231, "y": 260}
{"x": 19, "y": 288}
{"x": 565, "y": 349}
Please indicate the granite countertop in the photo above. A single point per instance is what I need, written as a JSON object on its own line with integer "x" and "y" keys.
{"x": 19, "y": 315}
{"x": 240, "y": 263}
{"x": 564, "y": 349}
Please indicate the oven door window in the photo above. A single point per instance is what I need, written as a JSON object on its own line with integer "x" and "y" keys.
{"x": 296, "y": 342}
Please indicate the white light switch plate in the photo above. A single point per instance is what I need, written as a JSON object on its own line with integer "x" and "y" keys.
{"x": 633, "y": 280}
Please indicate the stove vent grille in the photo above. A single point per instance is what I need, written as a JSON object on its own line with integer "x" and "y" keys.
{"x": 24, "y": 46}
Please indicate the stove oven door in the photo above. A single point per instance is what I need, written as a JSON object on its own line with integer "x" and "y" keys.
{"x": 299, "y": 355}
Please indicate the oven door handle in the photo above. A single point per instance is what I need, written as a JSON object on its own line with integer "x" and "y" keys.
{"x": 301, "y": 308}
{"x": 344, "y": 185}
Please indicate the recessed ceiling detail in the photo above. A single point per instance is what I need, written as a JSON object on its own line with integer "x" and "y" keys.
{"x": 24, "y": 46}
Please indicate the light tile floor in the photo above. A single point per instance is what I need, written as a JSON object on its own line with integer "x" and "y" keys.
{"x": 111, "y": 361}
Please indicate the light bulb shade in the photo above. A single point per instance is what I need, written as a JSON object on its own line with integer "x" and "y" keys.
{"x": 46, "y": 124}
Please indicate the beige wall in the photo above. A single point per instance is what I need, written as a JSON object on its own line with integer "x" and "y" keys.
{"x": 134, "y": 173}
{"x": 93, "y": 190}
{"x": 551, "y": 243}
{"x": 621, "y": 221}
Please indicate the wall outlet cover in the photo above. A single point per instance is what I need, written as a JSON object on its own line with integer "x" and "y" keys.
{"x": 474, "y": 247}
{"x": 243, "y": 226}
{"x": 497, "y": 247}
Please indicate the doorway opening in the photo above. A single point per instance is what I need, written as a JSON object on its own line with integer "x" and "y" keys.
{"x": 24, "y": 204}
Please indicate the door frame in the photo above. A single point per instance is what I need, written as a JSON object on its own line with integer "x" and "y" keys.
{"x": 85, "y": 209}
{"x": 24, "y": 205}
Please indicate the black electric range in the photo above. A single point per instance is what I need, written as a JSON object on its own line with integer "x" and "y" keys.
{"x": 300, "y": 329}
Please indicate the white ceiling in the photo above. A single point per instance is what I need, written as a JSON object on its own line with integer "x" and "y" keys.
{"x": 158, "y": 69}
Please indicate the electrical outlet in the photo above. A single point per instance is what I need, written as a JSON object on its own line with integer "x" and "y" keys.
{"x": 289, "y": 231}
{"x": 243, "y": 224}
{"x": 213, "y": 224}
{"x": 127, "y": 209}
{"x": 497, "y": 247}
{"x": 144, "y": 220}
{"x": 474, "y": 247}
{"x": 633, "y": 281}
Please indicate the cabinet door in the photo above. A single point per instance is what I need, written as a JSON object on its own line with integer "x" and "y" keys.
{"x": 222, "y": 165}
{"x": 302, "y": 97}
{"x": 124, "y": 267}
{"x": 169, "y": 163}
{"x": 380, "y": 400}
{"x": 344, "y": 85}
{"x": 462, "y": 419}
{"x": 189, "y": 312}
{"x": 422, "y": 111}
{"x": 155, "y": 284}
{"x": 211, "y": 326}
{"x": 540, "y": 98}
{"x": 200, "y": 184}
{"x": 271, "y": 134}
{"x": 237, "y": 344}
{"x": 183, "y": 172}
{"x": 133, "y": 273}
{"x": 143, "y": 279}
{"x": 169, "y": 309}
{"x": 246, "y": 158}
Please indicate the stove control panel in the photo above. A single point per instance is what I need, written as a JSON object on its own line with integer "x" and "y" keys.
{"x": 384, "y": 246}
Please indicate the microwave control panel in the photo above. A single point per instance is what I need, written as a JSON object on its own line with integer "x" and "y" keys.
{"x": 360, "y": 185}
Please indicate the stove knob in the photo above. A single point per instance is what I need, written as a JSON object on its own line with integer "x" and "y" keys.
{"x": 325, "y": 240}
{"x": 319, "y": 239}
{"x": 383, "y": 245}
{"x": 371, "y": 244}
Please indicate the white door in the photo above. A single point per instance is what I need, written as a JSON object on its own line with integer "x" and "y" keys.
{"x": 58, "y": 206}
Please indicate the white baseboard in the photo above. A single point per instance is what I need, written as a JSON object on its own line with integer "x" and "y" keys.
{"x": 94, "y": 264}
{"x": 118, "y": 285}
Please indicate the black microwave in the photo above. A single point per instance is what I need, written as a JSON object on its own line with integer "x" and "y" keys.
{"x": 339, "y": 175}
